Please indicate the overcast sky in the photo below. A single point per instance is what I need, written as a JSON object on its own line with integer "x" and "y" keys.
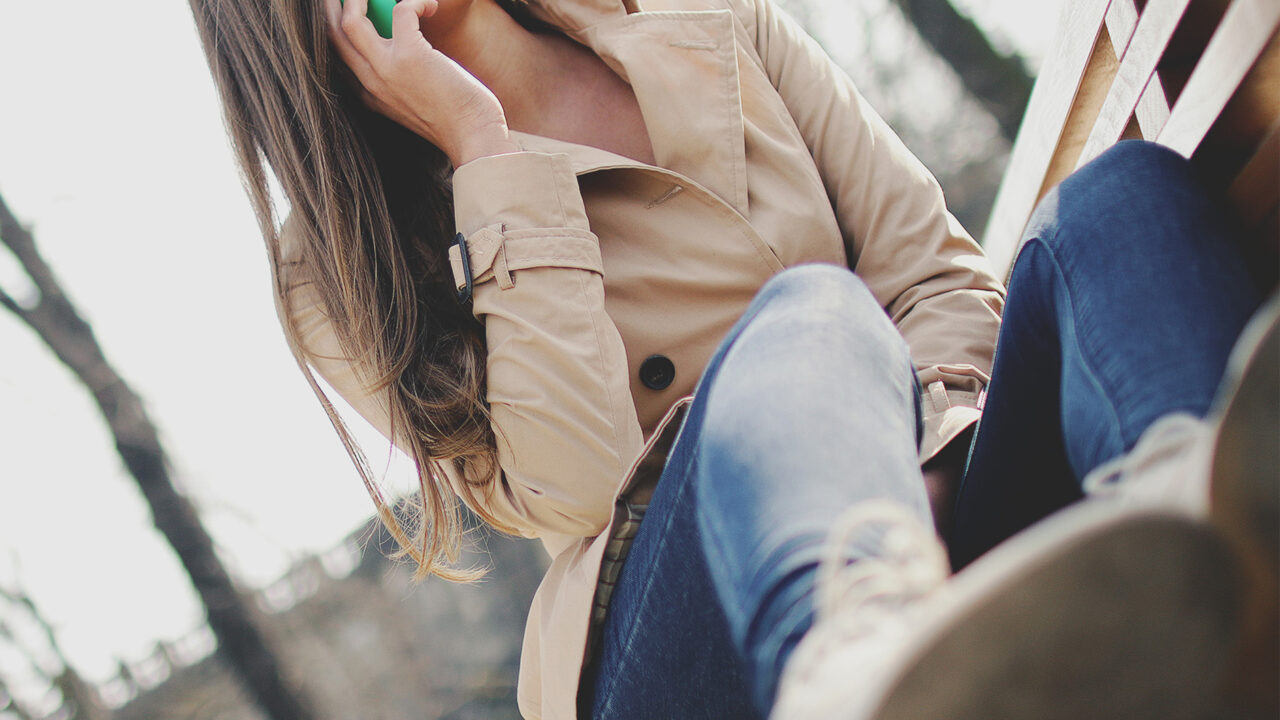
{"x": 112, "y": 149}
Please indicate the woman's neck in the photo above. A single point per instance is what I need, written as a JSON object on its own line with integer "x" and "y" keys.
{"x": 548, "y": 84}
{"x": 523, "y": 69}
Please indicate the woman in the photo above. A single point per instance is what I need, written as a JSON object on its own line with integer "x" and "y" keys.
{"x": 624, "y": 183}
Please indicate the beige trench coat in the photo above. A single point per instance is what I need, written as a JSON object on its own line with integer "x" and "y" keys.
{"x": 587, "y": 263}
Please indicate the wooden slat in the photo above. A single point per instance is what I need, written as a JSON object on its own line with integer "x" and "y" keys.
{"x": 1153, "y": 105}
{"x": 1094, "y": 87}
{"x": 1243, "y": 34}
{"x": 1122, "y": 18}
{"x": 1137, "y": 67}
{"x": 1042, "y": 127}
{"x": 1153, "y": 108}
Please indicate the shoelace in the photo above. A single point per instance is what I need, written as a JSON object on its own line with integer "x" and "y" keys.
{"x": 858, "y": 595}
{"x": 1172, "y": 437}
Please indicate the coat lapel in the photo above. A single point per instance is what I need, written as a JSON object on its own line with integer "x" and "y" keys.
{"x": 683, "y": 68}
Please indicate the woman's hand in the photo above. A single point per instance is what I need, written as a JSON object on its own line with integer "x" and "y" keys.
{"x": 419, "y": 87}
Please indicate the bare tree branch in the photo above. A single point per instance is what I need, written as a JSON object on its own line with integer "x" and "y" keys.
{"x": 8, "y": 303}
{"x": 22, "y": 243}
{"x": 239, "y": 627}
{"x": 79, "y": 697}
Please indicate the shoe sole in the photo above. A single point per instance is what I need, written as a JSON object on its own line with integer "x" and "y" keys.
{"x": 1245, "y": 504}
{"x": 1094, "y": 613}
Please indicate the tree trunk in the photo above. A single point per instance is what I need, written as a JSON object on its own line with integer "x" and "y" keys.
{"x": 999, "y": 82}
{"x": 238, "y": 626}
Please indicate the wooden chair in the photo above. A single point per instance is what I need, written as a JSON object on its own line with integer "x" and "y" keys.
{"x": 1199, "y": 76}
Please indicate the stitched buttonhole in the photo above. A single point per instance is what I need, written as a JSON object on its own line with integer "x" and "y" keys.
{"x": 670, "y": 193}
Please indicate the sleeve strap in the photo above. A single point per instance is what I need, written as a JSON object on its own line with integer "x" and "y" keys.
{"x": 495, "y": 255}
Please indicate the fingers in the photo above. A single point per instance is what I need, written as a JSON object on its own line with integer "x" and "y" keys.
{"x": 359, "y": 43}
{"x": 336, "y": 12}
{"x": 333, "y": 19}
{"x": 351, "y": 14}
{"x": 358, "y": 29}
{"x": 406, "y": 17}
{"x": 395, "y": 74}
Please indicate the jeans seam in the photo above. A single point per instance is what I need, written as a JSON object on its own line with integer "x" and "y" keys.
{"x": 1095, "y": 377}
{"x": 633, "y": 625}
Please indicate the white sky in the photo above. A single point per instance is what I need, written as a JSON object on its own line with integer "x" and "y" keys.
{"x": 115, "y": 153}
{"x": 112, "y": 148}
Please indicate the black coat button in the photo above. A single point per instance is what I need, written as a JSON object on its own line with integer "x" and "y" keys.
{"x": 657, "y": 372}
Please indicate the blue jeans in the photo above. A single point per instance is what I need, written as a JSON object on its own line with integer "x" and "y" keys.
{"x": 810, "y": 406}
{"x": 1123, "y": 306}
{"x": 718, "y": 586}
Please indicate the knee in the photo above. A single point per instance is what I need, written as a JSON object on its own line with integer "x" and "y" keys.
{"x": 1132, "y": 179}
{"x": 1126, "y": 192}
{"x": 816, "y": 291}
{"x": 818, "y": 305}
{"x": 808, "y": 280}
{"x": 1133, "y": 164}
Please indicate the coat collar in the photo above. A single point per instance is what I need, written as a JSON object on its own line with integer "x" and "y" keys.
{"x": 573, "y": 16}
{"x": 683, "y": 67}
{"x": 583, "y": 159}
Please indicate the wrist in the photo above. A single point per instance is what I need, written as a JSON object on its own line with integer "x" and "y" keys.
{"x": 494, "y": 142}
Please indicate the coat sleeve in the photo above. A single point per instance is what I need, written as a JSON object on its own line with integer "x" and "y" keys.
{"x": 923, "y": 267}
{"x": 558, "y": 390}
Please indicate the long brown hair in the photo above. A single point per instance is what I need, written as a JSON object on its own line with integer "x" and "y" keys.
{"x": 371, "y": 208}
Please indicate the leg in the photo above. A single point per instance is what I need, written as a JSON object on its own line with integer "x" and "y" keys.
{"x": 665, "y": 651}
{"x": 808, "y": 407}
{"x": 1123, "y": 307}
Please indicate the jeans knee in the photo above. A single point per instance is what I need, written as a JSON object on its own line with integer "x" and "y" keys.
{"x": 819, "y": 292}
{"x": 808, "y": 281}
{"x": 1133, "y": 176}
{"x": 1115, "y": 202}
{"x": 1134, "y": 158}
{"x": 822, "y": 306}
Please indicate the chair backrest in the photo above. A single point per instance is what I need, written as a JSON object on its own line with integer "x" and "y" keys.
{"x": 1199, "y": 76}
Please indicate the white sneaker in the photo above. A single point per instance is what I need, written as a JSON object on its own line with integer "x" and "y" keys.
{"x": 1225, "y": 467}
{"x": 1099, "y": 612}
{"x": 1167, "y": 468}
{"x": 864, "y": 613}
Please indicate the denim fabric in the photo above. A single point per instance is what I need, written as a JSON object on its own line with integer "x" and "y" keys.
{"x": 808, "y": 407}
{"x": 1123, "y": 306}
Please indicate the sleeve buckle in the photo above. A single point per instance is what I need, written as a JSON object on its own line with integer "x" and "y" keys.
{"x": 464, "y": 295}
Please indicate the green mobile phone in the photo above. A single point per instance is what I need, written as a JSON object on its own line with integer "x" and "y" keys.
{"x": 380, "y": 15}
